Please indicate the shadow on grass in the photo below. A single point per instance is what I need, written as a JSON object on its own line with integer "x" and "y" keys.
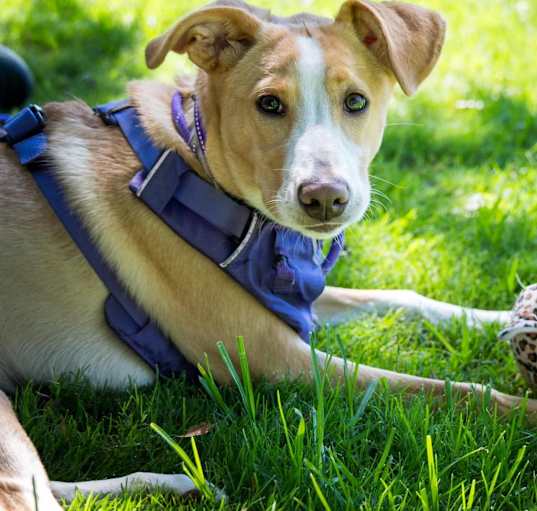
{"x": 72, "y": 50}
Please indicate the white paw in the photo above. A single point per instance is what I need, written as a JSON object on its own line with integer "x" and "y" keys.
{"x": 177, "y": 483}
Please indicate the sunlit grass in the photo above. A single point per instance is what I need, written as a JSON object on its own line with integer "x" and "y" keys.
{"x": 458, "y": 170}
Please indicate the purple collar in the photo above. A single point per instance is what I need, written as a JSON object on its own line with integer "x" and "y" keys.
{"x": 181, "y": 124}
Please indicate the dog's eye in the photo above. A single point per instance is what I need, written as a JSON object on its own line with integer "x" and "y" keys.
{"x": 271, "y": 105}
{"x": 355, "y": 103}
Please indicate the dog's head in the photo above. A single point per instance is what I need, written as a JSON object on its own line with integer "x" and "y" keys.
{"x": 295, "y": 108}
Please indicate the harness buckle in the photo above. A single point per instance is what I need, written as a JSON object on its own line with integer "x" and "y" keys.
{"x": 28, "y": 122}
{"x": 106, "y": 112}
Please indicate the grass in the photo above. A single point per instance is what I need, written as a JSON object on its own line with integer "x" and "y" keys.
{"x": 456, "y": 176}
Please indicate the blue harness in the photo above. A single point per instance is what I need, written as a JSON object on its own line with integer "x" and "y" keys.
{"x": 283, "y": 269}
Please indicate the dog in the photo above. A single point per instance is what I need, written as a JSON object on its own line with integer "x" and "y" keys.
{"x": 294, "y": 111}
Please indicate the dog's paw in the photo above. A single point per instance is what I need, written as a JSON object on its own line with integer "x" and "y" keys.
{"x": 177, "y": 483}
{"x": 146, "y": 481}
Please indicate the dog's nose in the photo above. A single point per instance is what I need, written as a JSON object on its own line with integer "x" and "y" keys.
{"x": 324, "y": 201}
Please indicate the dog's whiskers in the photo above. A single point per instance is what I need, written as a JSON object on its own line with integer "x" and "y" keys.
{"x": 323, "y": 224}
{"x": 381, "y": 195}
{"x": 393, "y": 124}
{"x": 375, "y": 202}
{"x": 387, "y": 181}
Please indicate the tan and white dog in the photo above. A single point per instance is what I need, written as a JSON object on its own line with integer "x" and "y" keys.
{"x": 295, "y": 110}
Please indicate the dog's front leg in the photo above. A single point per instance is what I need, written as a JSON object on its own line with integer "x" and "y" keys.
{"x": 24, "y": 484}
{"x": 177, "y": 483}
{"x": 337, "y": 305}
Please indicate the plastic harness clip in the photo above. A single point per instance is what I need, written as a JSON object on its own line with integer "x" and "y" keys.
{"x": 107, "y": 112}
{"x": 25, "y": 124}
{"x": 24, "y": 133}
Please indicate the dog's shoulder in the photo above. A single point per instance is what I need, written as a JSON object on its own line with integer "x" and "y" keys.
{"x": 152, "y": 100}
{"x": 80, "y": 142}
{"x": 72, "y": 112}
{"x": 83, "y": 149}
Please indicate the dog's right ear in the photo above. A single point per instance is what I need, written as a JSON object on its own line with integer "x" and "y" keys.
{"x": 215, "y": 38}
{"x": 405, "y": 38}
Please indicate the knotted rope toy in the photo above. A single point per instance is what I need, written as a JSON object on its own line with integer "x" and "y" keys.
{"x": 522, "y": 334}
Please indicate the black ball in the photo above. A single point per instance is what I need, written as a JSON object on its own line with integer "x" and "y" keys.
{"x": 16, "y": 80}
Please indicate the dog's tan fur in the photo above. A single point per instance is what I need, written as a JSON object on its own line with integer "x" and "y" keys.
{"x": 51, "y": 301}
{"x": 22, "y": 477}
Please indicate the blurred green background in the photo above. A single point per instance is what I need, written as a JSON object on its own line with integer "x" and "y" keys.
{"x": 455, "y": 217}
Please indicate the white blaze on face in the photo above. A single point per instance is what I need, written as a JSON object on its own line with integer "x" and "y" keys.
{"x": 318, "y": 148}
{"x": 314, "y": 108}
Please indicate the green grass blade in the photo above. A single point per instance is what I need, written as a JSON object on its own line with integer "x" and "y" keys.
{"x": 285, "y": 428}
{"x": 244, "y": 384}
{"x": 424, "y": 499}
{"x": 224, "y": 354}
{"x": 471, "y": 497}
{"x": 368, "y": 394}
{"x": 199, "y": 468}
{"x": 208, "y": 382}
{"x": 249, "y": 396}
{"x": 489, "y": 488}
{"x": 319, "y": 493}
{"x": 433, "y": 471}
{"x": 386, "y": 451}
{"x": 319, "y": 416}
{"x": 193, "y": 469}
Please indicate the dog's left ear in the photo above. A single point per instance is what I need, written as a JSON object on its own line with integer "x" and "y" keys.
{"x": 215, "y": 38}
{"x": 405, "y": 38}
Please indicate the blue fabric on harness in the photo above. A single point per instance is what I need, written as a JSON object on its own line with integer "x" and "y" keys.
{"x": 283, "y": 269}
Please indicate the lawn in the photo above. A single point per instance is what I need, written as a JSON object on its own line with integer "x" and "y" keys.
{"x": 455, "y": 220}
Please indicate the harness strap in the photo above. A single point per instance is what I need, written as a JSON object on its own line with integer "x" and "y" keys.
{"x": 22, "y": 130}
{"x": 56, "y": 198}
{"x": 122, "y": 114}
{"x": 158, "y": 189}
{"x": 123, "y": 315}
{"x": 166, "y": 183}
